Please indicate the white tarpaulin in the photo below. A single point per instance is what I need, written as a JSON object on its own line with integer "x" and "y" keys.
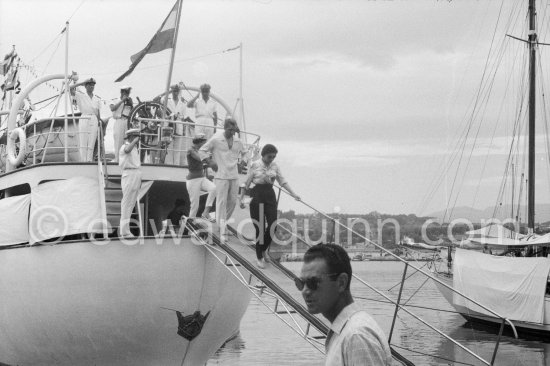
{"x": 514, "y": 287}
{"x": 14, "y": 214}
{"x": 65, "y": 207}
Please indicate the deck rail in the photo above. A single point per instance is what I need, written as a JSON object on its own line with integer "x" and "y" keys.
{"x": 53, "y": 136}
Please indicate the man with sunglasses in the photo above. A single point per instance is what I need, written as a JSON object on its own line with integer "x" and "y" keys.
{"x": 354, "y": 337}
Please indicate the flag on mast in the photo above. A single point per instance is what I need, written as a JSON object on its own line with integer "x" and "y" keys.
{"x": 162, "y": 40}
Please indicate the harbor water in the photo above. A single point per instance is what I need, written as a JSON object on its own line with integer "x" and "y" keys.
{"x": 266, "y": 340}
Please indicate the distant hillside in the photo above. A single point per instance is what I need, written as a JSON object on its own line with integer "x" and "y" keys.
{"x": 542, "y": 213}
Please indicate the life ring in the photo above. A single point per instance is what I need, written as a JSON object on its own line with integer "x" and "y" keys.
{"x": 12, "y": 158}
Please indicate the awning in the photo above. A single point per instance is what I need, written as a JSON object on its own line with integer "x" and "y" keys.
{"x": 514, "y": 287}
{"x": 14, "y": 216}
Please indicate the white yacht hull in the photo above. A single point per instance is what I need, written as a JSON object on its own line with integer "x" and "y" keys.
{"x": 473, "y": 315}
{"x": 114, "y": 304}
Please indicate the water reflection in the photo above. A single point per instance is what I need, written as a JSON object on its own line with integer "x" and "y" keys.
{"x": 481, "y": 340}
{"x": 231, "y": 349}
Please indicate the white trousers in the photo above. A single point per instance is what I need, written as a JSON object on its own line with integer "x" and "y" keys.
{"x": 87, "y": 136}
{"x": 119, "y": 129}
{"x": 131, "y": 182}
{"x": 208, "y": 131}
{"x": 175, "y": 151}
{"x": 226, "y": 199}
{"x": 194, "y": 188}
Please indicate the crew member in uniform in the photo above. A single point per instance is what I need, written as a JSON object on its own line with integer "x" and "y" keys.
{"x": 121, "y": 110}
{"x": 205, "y": 112}
{"x": 128, "y": 160}
{"x": 89, "y": 106}
{"x": 178, "y": 108}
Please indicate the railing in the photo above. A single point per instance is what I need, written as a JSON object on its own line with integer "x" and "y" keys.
{"x": 161, "y": 150}
{"x": 157, "y": 153}
{"x": 399, "y": 304}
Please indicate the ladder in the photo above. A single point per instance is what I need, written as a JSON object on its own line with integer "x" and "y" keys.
{"x": 113, "y": 197}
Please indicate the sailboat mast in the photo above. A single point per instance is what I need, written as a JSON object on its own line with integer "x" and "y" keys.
{"x": 532, "y": 81}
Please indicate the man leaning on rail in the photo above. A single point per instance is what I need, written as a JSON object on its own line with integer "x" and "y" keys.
{"x": 354, "y": 337}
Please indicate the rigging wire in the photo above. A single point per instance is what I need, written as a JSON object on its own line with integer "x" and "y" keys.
{"x": 447, "y": 165}
{"x": 74, "y": 12}
{"x": 486, "y": 84}
{"x": 47, "y": 47}
{"x": 165, "y": 64}
{"x": 51, "y": 57}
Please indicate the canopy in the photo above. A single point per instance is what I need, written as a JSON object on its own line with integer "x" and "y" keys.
{"x": 14, "y": 219}
{"x": 494, "y": 231}
{"x": 514, "y": 287}
{"x": 65, "y": 207}
{"x": 492, "y": 235}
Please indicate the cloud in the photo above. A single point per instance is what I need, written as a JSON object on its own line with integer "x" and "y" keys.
{"x": 341, "y": 153}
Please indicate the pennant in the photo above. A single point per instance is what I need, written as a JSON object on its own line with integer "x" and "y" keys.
{"x": 162, "y": 40}
{"x": 8, "y": 61}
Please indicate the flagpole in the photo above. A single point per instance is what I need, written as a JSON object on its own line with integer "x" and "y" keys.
{"x": 66, "y": 125}
{"x": 178, "y": 14}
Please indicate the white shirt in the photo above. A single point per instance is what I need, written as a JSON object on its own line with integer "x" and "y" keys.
{"x": 122, "y": 110}
{"x": 266, "y": 174}
{"x": 356, "y": 340}
{"x": 87, "y": 105}
{"x": 128, "y": 160}
{"x": 179, "y": 110}
{"x": 225, "y": 158}
{"x": 204, "y": 109}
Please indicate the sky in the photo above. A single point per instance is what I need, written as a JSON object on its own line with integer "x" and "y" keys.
{"x": 365, "y": 100}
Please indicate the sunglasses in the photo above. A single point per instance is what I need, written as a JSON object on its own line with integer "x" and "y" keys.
{"x": 312, "y": 283}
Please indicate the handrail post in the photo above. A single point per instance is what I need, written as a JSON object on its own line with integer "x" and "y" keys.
{"x": 498, "y": 341}
{"x": 403, "y": 279}
{"x": 34, "y": 147}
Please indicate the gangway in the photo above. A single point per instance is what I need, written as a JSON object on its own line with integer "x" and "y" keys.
{"x": 277, "y": 282}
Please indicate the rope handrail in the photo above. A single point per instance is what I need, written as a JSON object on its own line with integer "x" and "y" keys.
{"x": 408, "y": 264}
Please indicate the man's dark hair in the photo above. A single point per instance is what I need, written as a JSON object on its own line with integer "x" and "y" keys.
{"x": 336, "y": 258}
{"x": 269, "y": 149}
{"x": 229, "y": 121}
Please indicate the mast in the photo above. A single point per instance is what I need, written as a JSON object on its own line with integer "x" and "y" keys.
{"x": 531, "y": 177}
{"x": 67, "y": 99}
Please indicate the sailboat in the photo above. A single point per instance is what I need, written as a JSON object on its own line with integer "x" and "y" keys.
{"x": 500, "y": 267}
{"x": 72, "y": 290}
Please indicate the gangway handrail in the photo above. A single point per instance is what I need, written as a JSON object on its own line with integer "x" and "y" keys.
{"x": 402, "y": 306}
{"x": 293, "y": 276}
{"x": 279, "y": 292}
{"x": 405, "y": 262}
